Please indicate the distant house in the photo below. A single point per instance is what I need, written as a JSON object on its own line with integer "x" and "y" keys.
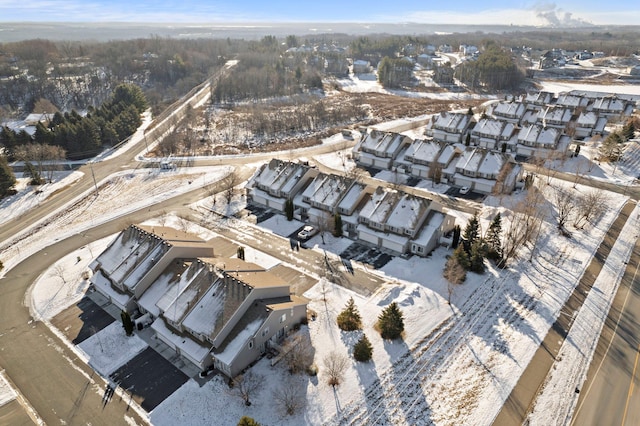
{"x": 511, "y": 112}
{"x": 391, "y": 220}
{"x": 451, "y": 127}
{"x": 490, "y": 133}
{"x": 319, "y": 201}
{"x": 421, "y": 155}
{"x": 538, "y": 100}
{"x": 378, "y": 149}
{"x": 278, "y": 181}
{"x": 572, "y": 102}
{"x": 536, "y": 140}
{"x": 555, "y": 116}
{"x": 361, "y": 67}
{"x": 612, "y": 106}
{"x": 33, "y": 119}
{"x": 588, "y": 124}
{"x": 483, "y": 170}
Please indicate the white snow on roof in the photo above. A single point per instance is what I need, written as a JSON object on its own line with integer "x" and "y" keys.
{"x": 174, "y": 302}
{"x": 489, "y": 127}
{"x": 145, "y": 266}
{"x": 608, "y": 103}
{"x": 470, "y": 159}
{"x": 548, "y": 136}
{"x": 423, "y": 150}
{"x": 587, "y": 119}
{"x": 234, "y": 347}
{"x": 352, "y": 197}
{"x": 101, "y": 282}
{"x": 555, "y": 114}
{"x": 446, "y": 154}
{"x": 508, "y": 109}
{"x": 202, "y": 319}
{"x": 152, "y": 295}
{"x": 186, "y": 345}
{"x": 407, "y": 212}
{"x": 452, "y": 121}
{"x": 377, "y": 208}
{"x": 571, "y": 100}
{"x": 6, "y": 391}
{"x": 427, "y": 231}
{"x": 491, "y": 164}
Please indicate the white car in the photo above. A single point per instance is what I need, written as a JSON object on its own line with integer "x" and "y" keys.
{"x": 307, "y": 232}
{"x": 464, "y": 190}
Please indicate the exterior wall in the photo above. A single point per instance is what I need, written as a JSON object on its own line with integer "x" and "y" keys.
{"x": 271, "y": 330}
{"x": 484, "y": 187}
{"x": 256, "y": 293}
{"x": 394, "y": 246}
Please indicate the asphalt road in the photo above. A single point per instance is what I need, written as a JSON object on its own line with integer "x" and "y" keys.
{"x": 522, "y": 397}
{"x": 611, "y": 393}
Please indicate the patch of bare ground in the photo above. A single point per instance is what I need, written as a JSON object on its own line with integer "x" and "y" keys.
{"x": 286, "y": 125}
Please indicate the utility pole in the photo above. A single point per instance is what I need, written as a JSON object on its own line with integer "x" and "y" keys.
{"x": 94, "y": 177}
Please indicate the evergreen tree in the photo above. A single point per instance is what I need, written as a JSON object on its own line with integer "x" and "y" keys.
{"x": 610, "y": 149}
{"x": 247, "y": 421}
{"x": 30, "y": 171}
{"x": 126, "y": 322}
{"x": 390, "y": 322}
{"x": 240, "y": 253}
{"x": 349, "y": 319}
{"x": 472, "y": 231}
{"x": 337, "y": 225}
{"x": 288, "y": 209}
{"x": 477, "y": 257}
{"x": 363, "y": 350}
{"x": 456, "y": 237}
{"x": 493, "y": 238}
{"x": 462, "y": 257}
{"x": 7, "y": 178}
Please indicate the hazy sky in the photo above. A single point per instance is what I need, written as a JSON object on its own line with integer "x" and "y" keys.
{"x": 518, "y": 12}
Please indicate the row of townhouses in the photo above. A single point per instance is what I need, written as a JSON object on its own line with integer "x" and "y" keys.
{"x": 481, "y": 153}
{"x": 214, "y": 312}
{"x": 391, "y": 220}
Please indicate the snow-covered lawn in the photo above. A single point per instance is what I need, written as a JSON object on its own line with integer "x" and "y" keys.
{"x": 63, "y": 284}
{"x": 30, "y": 197}
{"x": 110, "y": 348}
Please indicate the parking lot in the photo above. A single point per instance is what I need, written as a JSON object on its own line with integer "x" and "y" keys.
{"x": 149, "y": 378}
{"x": 365, "y": 254}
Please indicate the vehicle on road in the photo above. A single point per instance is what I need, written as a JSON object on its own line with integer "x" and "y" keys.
{"x": 307, "y": 232}
{"x": 464, "y": 190}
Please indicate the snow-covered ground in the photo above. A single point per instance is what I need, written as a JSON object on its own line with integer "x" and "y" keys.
{"x": 31, "y": 197}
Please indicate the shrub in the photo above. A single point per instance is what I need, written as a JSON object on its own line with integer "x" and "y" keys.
{"x": 362, "y": 350}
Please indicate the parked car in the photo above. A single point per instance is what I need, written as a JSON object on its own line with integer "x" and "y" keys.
{"x": 464, "y": 190}
{"x": 307, "y": 232}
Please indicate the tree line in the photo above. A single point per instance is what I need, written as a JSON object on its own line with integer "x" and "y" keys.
{"x": 78, "y": 136}
{"x": 495, "y": 69}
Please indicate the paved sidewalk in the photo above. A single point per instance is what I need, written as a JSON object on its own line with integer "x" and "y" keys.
{"x": 523, "y": 395}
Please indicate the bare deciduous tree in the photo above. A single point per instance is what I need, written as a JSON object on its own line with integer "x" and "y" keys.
{"x": 590, "y": 205}
{"x": 299, "y": 353}
{"x": 565, "y": 203}
{"x": 289, "y": 396}
{"x": 454, "y": 273}
{"x": 58, "y": 271}
{"x": 184, "y": 223}
{"x": 335, "y": 365}
{"x": 247, "y": 384}
{"x": 525, "y": 223}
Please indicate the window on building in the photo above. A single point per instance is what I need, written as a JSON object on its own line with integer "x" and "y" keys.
{"x": 250, "y": 344}
{"x": 283, "y": 318}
